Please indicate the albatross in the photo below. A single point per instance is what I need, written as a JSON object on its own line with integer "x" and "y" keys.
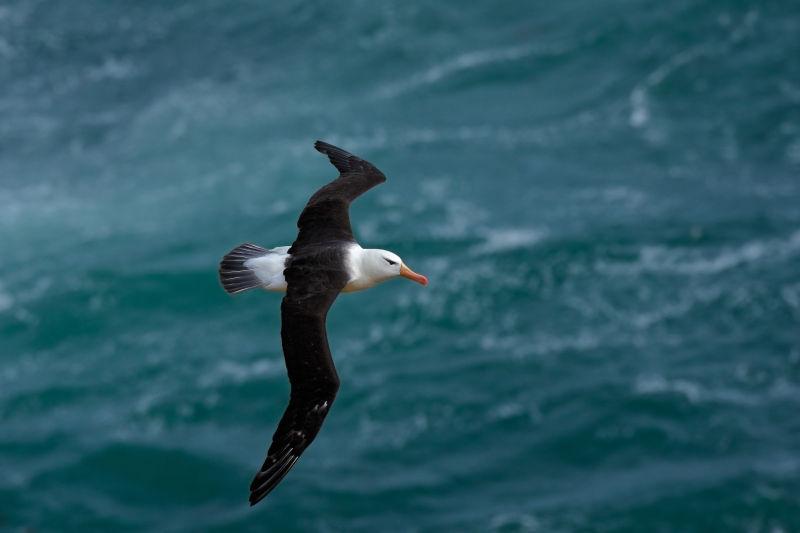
{"x": 323, "y": 261}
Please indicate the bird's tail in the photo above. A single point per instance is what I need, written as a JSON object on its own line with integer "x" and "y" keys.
{"x": 233, "y": 274}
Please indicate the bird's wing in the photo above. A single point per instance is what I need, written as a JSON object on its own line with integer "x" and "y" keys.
{"x": 312, "y": 286}
{"x": 326, "y": 215}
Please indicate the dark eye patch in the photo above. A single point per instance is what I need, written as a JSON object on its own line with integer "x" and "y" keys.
{"x": 390, "y": 261}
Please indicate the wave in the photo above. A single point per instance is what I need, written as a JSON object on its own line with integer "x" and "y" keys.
{"x": 687, "y": 261}
{"x": 6, "y": 300}
{"x": 639, "y": 97}
{"x": 231, "y": 371}
{"x": 498, "y": 240}
{"x": 551, "y": 134}
{"x": 691, "y": 391}
{"x": 514, "y": 522}
{"x": 465, "y": 62}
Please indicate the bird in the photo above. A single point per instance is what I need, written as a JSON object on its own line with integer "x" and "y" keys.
{"x": 324, "y": 260}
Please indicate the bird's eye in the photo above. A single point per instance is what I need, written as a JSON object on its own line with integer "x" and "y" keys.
{"x": 390, "y": 261}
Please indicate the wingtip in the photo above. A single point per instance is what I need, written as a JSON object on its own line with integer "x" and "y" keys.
{"x": 268, "y": 478}
{"x": 256, "y": 496}
{"x": 327, "y": 148}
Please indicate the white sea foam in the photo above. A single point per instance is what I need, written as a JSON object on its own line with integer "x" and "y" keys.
{"x": 544, "y": 135}
{"x": 639, "y": 97}
{"x": 647, "y": 385}
{"x": 658, "y": 258}
{"x": 790, "y": 90}
{"x": 545, "y": 344}
{"x": 235, "y": 372}
{"x": 460, "y": 220}
{"x": 618, "y": 196}
{"x": 112, "y": 68}
{"x": 783, "y": 389}
{"x": 506, "y": 239}
{"x": 393, "y": 434}
{"x": 35, "y": 202}
{"x": 6, "y": 50}
{"x": 692, "y": 391}
{"x": 683, "y": 304}
{"x": 514, "y": 522}
{"x": 509, "y": 410}
{"x": 465, "y": 62}
{"x": 6, "y": 300}
{"x": 793, "y": 152}
{"x": 791, "y": 295}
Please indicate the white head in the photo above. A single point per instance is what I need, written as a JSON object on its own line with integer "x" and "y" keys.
{"x": 381, "y": 265}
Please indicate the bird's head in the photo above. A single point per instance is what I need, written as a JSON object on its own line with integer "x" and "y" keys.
{"x": 384, "y": 265}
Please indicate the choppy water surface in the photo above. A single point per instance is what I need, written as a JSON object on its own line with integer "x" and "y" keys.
{"x": 605, "y": 196}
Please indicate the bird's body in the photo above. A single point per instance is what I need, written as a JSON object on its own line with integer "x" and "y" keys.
{"x": 323, "y": 261}
{"x": 268, "y": 267}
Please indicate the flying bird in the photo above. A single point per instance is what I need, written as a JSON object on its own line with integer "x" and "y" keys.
{"x": 323, "y": 261}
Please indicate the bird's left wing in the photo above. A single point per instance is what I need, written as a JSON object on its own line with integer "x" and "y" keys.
{"x": 312, "y": 286}
{"x": 356, "y": 175}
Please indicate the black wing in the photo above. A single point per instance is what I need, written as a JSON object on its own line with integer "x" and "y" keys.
{"x": 326, "y": 216}
{"x": 312, "y": 287}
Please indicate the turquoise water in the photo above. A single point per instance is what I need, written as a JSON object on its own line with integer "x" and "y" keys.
{"x": 604, "y": 195}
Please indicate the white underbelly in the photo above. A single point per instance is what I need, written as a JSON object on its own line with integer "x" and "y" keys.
{"x": 357, "y": 285}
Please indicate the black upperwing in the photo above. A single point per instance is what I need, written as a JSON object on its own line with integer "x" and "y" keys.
{"x": 326, "y": 216}
{"x": 314, "y": 280}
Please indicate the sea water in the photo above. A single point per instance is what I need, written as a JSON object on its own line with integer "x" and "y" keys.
{"x": 604, "y": 195}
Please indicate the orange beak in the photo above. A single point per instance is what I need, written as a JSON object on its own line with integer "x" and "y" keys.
{"x": 413, "y": 276}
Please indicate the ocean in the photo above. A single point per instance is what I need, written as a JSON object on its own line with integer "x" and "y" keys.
{"x": 604, "y": 195}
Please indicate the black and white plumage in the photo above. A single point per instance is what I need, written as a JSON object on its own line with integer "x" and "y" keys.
{"x": 323, "y": 261}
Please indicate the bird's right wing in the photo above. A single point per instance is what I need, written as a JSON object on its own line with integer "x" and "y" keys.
{"x": 326, "y": 215}
{"x": 312, "y": 286}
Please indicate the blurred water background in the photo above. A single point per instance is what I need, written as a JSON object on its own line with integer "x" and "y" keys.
{"x": 605, "y": 196}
